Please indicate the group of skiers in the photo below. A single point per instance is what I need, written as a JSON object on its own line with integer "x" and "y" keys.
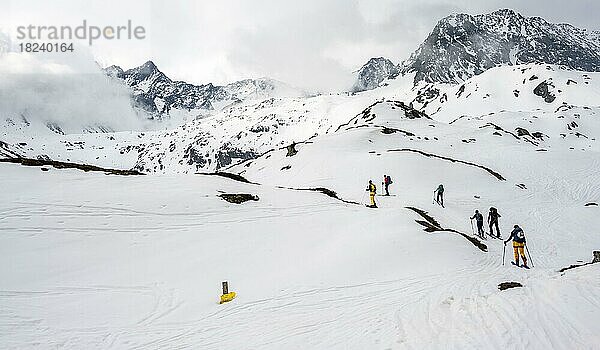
{"x": 492, "y": 220}
{"x": 372, "y": 189}
{"x": 517, "y": 235}
{"x": 438, "y": 194}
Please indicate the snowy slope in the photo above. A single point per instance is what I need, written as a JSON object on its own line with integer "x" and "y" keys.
{"x": 557, "y": 177}
{"x": 90, "y": 260}
{"x": 248, "y": 129}
{"x": 33, "y": 139}
{"x": 241, "y": 132}
{"x": 527, "y": 88}
{"x": 96, "y": 261}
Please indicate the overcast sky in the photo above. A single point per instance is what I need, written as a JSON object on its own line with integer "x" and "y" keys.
{"x": 308, "y": 43}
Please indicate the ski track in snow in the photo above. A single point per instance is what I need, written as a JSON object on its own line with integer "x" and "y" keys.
{"x": 417, "y": 311}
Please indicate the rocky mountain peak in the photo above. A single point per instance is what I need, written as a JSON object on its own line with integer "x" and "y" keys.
{"x": 504, "y": 14}
{"x": 156, "y": 94}
{"x": 115, "y": 71}
{"x": 461, "y": 46}
{"x": 145, "y": 71}
{"x": 375, "y": 71}
{"x": 149, "y": 65}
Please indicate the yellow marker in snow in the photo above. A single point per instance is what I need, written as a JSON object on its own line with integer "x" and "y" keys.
{"x": 227, "y": 295}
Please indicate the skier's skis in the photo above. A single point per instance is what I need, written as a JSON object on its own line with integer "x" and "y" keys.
{"x": 521, "y": 266}
{"x": 474, "y": 235}
{"x": 491, "y": 235}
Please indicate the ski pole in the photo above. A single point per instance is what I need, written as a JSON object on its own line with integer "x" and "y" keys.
{"x": 472, "y": 228}
{"x": 528, "y": 253}
{"x": 433, "y": 199}
{"x": 503, "y": 254}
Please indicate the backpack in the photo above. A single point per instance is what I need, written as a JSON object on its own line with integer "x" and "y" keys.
{"x": 479, "y": 218}
{"x": 520, "y": 236}
{"x": 389, "y": 180}
{"x": 494, "y": 214}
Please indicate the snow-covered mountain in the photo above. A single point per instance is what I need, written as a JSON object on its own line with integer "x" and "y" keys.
{"x": 243, "y": 131}
{"x": 251, "y": 117}
{"x": 250, "y": 128}
{"x": 375, "y": 71}
{"x": 156, "y": 94}
{"x": 526, "y": 88}
{"x": 461, "y": 46}
{"x": 144, "y": 256}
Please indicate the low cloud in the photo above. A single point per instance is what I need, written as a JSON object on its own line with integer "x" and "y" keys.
{"x": 67, "y": 89}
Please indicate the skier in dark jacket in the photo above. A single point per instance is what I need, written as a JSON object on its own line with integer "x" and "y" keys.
{"x": 518, "y": 237}
{"x": 387, "y": 181}
{"x": 479, "y": 219}
{"x": 493, "y": 220}
{"x": 440, "y": 195}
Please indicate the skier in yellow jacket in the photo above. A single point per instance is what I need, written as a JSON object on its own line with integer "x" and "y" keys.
{"x": 372, "y": 191}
